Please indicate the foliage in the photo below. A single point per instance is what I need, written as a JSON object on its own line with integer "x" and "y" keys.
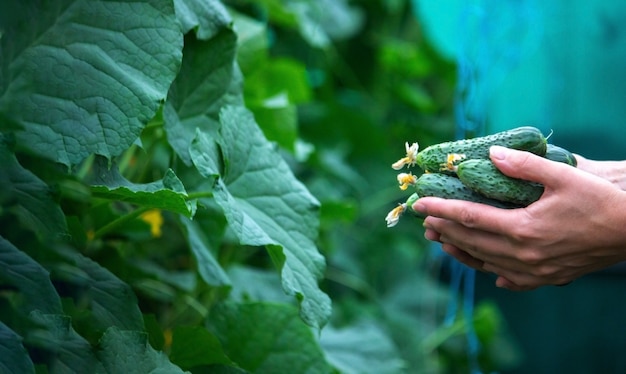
{"x": 186, "y": 185}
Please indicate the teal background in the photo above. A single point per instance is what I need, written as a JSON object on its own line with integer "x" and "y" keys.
{"x": 559, "y": 65}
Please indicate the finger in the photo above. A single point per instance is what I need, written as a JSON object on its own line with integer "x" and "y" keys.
{"x": 513, "y": 281}
{"x": 431, "y": 235}
{"x": 469, "y": 214}
{"x": 528, "y": 166}
{"x": 502, "y": 282}
{"x": 482, "y": 245}
{"x": 462, "y": 256}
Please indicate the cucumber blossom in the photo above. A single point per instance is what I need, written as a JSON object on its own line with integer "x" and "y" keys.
{"x": 443, "y": 157}
{"x": 483, "y": 176}
{"x": 450, "y": 187}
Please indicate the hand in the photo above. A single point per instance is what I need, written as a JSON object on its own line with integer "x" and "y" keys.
{"x": 576, "y": 227}
{"x": 613, "y": 171}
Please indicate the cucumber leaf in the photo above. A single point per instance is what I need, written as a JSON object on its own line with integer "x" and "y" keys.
{"x": 361, "y": 348}
{"x": 209, "y": 79}
{"x": 111, "y": 301}
{"x": 15, "y": 358}
{"x": 266, "y": 205}
{"x": 267, "y": 338}
{"x": 202, "y": 248}
{"x": 85, "y": 76}
{"x": 70, "y": 352}
{"x": 207, "y": 17}
{"x": 196, "y": 346}
{"x": 124, "y": 351}
{"x": 167, "y": 193}
{"x": 26, "y": 196}
{"x": 31, "y": 279}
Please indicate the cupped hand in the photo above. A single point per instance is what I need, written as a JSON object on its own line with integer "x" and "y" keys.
{"x": 576, "y": 227}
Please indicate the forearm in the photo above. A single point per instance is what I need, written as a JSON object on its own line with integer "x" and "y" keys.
{"x": 613, "y": 171}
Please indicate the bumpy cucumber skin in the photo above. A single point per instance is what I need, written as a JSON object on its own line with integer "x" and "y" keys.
{"x": 450, "y": 187}
{"x": 483, "y": 177}
{"x": 435, "y": 157}
{"x": 556, "y": 153}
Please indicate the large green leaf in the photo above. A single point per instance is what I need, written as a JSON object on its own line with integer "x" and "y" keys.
{"x": 267, "y": 338}
{"x": 111, "y": 301}
{"x": 85, "y": 76}
{"x": 196, "y": 346}
{"x": 362, "y": 348}
{"x": 207, "y": 17}
{"x": 15, "y": 359}
{"x": 198, "y": 236}
{"x": 20, "y": 271}
{"x": 68, "y": 351}
{"x": 209, "y": 79}
{"x": 167, "y": 193}
{"x": 129, "y": 352}
{"x": 266, "y": 205}
{"x": 27, "y": 197}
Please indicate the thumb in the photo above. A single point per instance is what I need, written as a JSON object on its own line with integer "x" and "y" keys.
{"x": 527, "y": 166}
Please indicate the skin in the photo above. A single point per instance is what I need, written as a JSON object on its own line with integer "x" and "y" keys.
{"x": 577, "y": 226}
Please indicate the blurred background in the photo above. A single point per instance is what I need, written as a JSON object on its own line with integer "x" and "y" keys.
{"x": 366, "y": 76}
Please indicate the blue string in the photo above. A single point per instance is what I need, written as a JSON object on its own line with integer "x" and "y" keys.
{"x": 492, "y": 37}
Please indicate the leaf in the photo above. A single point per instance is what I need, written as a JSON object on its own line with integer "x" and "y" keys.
{"x": 129, "y": 352}
{"x": 207, "y": 17}
{"x": 29, "y": 198}
{"x": 31, "y": 279}
{"x": 71, "y": 353}
{"x": 251, "y": 284}
{"x": 209, "y": 79}
{"x": 267, "y": 338}
{"x": 196, "y": 346}
{"x": 266, "y": 205}
{"x": 167, "y": 194}
{"x": 85, "y": 76}
{"x": 200, "y": 243}
{"x": 112, "y": 301}
{"x": 252, "y": 42}
{"x": 272, "y": 92}
{"x": 15, "y": 358}
{"x": 361, "y": 348}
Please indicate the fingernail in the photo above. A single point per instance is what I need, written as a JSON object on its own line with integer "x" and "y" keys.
{"x": 419, "y": 207}
{"x": 497, "y": 152}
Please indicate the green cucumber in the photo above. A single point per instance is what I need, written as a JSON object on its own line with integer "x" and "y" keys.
{"x": 556, "y": 153}
{"x": 450, "y": 187}
{"x": 441, "y": 158}
{"x": 484, "y": 177}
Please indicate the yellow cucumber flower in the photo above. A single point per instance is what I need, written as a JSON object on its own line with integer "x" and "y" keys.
{"x": 154, "y": 218}
{"x": 394, "y": 216}
{"x": 406, "y": 179}
{"x": 411, "y": 155}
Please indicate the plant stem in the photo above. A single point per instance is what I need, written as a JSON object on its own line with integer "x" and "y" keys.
{"x": 199, "y": 194}
{"x": 120, "y": 221}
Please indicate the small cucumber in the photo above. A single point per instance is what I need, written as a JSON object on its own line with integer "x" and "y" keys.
{"x": 556, "y": 153}
{"x": 451, "y": 187}
{"x": 484, "y": 177}
{"x": 441, "y": 158}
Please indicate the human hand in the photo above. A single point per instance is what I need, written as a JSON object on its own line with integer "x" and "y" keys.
{"x": 613, "y": 171}
{"x": 576, "y": 227}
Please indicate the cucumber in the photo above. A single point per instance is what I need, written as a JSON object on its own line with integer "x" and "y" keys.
{"x": 450, "y": 187}
{"x": 443, "y": 157}
{"x": 556, "y": 153}
{"x": 484, "y": 177}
